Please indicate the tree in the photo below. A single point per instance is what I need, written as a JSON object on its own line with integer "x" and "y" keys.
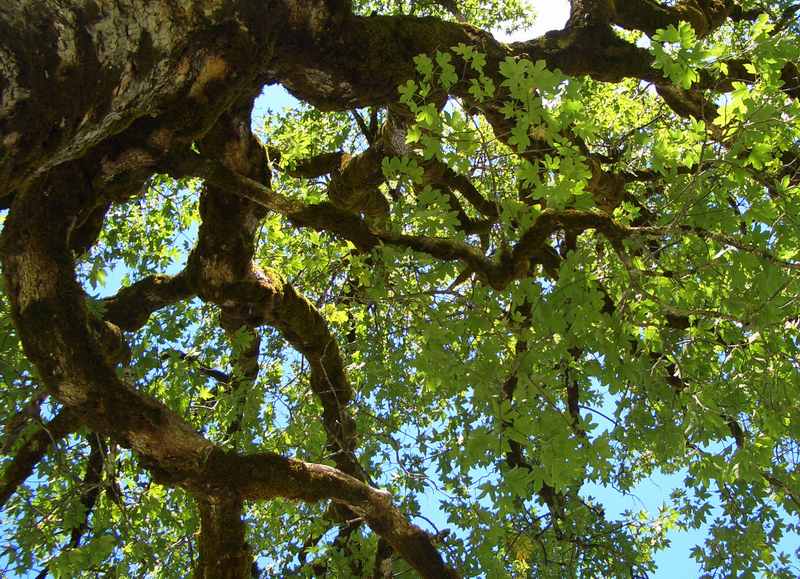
{"x": 488, "y": 276}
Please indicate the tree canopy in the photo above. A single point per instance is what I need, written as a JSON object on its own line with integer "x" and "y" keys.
{"x": 425, "y": 322}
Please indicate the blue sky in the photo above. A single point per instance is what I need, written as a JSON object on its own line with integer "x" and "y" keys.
{"x": 650, "y": 494}
{"x": 674, "y": 562}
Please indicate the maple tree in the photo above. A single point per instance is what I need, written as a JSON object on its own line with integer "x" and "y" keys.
{"x": 490, "y": 276}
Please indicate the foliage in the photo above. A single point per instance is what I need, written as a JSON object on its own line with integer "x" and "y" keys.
{"x": 653, "y": 328}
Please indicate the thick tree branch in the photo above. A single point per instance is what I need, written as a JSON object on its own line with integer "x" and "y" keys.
{"x": 94, "y": 100}
{"x": 382, "y": 565}
{"x": 224, "y": 553}
{"x": 650, "y": 15}
{"x": 498, "y": 273}
{"x": 438, "y": 172}
{"x": 54, "y": 328}
{"x": 321, "y": 52}
{"x": 34, "y": 449}
{"x": 222, "y": 269}
{"x": 354, "y": 180}
{"x": 268, "y": 475}
{"x": 309, "y": 167}
{"x": 132, "y": 306}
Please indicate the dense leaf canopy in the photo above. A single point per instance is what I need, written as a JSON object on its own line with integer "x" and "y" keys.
{"x": 427, "y": 321}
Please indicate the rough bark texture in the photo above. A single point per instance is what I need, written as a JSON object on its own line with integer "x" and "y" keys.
{"x": 223, "y": 550}
{"x": 98, "y": 95}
